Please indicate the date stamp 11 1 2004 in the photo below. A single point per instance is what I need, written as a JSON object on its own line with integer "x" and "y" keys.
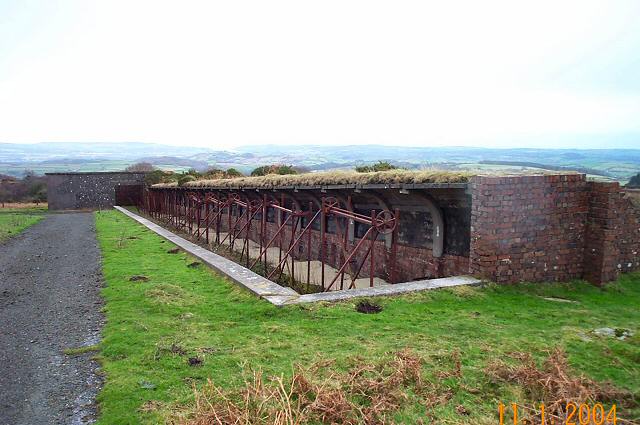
{"x": 574, "y": 414}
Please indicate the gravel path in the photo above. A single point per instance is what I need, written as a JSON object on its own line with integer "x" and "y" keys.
{"x": 49, "y": 301}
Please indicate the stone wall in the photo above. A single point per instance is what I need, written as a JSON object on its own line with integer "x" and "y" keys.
{"x": 613, "y": 233}
{"x": 87, "y": 190}
{"x": 551, "y": 228}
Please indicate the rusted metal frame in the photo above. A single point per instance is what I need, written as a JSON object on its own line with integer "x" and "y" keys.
{"x": 219, "y": 207}
{"x": 323, "y": 231}
{"x": 246, "y": 227}
{"x": 233, "y": 231}
{"x": 169, "y": 201}
{"x": 178, "y": 208}
{"x": 308, "y": 248}
{"x": 281, "y": 213}
{"x": 344, "y": 251}
{"x": 206, "y": 218}
{"x": 293, "y": 244}
{"x": 290, "y": 247}
{"x": 263, "y": 229}
{"x": 383, "y": 222}
{"x": 349, "y": 235}
{"x": 279, "y": 231}
{"x": 252, "y": 210}
{"x": 194, "y": 204}
{"x": 165, "y": 204}
{"x": 340, "y": 212}
{"x": 370, "y": 255}
{"x": 185, "y": 211}
{"x": 181, "y": 210}
{"x": 260, "y": 203}
{"x": 229, "y": 213}
{"x": 355, "y": 250}
{"x": 162, "y": 200}
{"x": 161, "y": 195}
{"x": 277, "y": 235}
{"x": 347, "y": 254}
{"x": 218, "y": 218}
{"x": 393, "y": 273}
{"x": 175, "y": 208}
{"x": 342, "y": 236}
{"x": 208, "y": 200}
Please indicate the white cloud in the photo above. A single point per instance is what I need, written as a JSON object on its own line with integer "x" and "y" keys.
{"x": 228, "y": 73}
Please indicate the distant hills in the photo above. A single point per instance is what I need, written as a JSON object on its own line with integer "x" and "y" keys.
{"x": 44, "y": 157}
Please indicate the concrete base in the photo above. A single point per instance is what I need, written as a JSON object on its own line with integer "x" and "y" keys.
{"x": 279, "y": 295}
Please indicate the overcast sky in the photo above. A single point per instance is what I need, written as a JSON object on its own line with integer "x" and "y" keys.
{"x": 226, "y": 73}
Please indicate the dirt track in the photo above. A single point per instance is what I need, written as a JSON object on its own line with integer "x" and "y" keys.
{"x": 49, "y": 301}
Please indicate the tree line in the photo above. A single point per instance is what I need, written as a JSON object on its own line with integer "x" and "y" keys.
{"x": 30, "y": 188}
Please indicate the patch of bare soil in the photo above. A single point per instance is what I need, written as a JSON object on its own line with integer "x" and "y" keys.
{"x": 368, "y": 307}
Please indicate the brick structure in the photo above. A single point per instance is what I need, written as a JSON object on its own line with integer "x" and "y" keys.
{"x": 613, "y": 233}
{"x": 67, "y": 191}
{"x": 551, "y": 228}
{"x": 535, "y": 228}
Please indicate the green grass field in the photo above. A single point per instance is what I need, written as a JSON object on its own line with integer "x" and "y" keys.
{"x": 15, "y": 220}
{"x": 154, "y": 326}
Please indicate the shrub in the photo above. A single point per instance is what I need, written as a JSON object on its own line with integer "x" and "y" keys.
{"x": 141, "y": 167}
{"x": 232, "y": 172}
{"x": 634, "y": 181}
{"x": 280, "y": 169}
{"x": 184, "y": 178}
{"x": 379, "y": 166}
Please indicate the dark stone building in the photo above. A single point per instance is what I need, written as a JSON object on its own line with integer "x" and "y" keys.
{"x": 68, "y": 191}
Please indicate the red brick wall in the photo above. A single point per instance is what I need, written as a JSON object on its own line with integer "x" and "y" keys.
{"x": 552, "y": 228}
{"x": 528, "y": 228}
{"x": 613, "y": 233}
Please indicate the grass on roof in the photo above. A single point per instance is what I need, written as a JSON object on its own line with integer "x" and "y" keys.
{"x": 329, "y": 178}
{"x": 337, "y": 178}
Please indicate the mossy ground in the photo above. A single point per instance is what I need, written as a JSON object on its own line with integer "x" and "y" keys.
{"x": 154, "y": 327}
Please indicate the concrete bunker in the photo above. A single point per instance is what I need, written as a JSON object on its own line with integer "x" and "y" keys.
{"x": 327, "y": 231}
{"x": 507, "y": 229}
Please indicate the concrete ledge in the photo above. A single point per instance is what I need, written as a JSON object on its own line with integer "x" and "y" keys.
{"x": 280, "y": 295}
{"x": 397, "y": 289}
{"x": 255, "y": 283}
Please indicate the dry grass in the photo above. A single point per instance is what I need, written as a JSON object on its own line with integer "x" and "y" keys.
{"x": 23, "y": 205}
{"x": 372, "y": 393}
{"x": 334, "y": 178}
{"x": 552, "y": 384}
{"x": 347, "y": 178}
{"x": 366, "y": 394}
